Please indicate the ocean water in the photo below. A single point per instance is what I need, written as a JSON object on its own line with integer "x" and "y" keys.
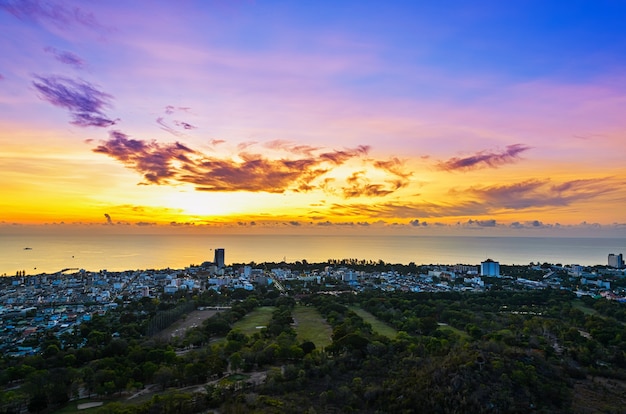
{"x": 48, "y": 253}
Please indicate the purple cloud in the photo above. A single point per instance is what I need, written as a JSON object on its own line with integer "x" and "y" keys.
{"x": 184, "y": 125}
{"x": 177, "y": 164}
{"x": 50, "y": 11}
{"x": 170, "y": 109}
{"x": 153, "y": 160}
{"x": 181, "y": 125}
{"x": 484, "y": 159}
{"x": 67, "y": 58}
{"x": 81, "y": 98}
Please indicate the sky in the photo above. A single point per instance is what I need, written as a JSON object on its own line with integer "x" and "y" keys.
{"x": 327, "y": 116}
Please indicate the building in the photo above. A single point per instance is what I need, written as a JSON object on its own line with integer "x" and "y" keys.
{"x": 616, "y": 261}
{"x": 490, "y": 268}
{"x": 219, "y": 258}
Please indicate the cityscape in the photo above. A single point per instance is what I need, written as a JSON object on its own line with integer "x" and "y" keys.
{"x": 287, "y": 207}
{"x": 58, "y": 303}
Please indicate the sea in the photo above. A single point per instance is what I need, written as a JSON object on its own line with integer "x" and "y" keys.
{"x": 38, "y": 254}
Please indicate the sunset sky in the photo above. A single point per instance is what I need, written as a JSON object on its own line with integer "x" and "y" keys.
{"x": 408, "y": 116}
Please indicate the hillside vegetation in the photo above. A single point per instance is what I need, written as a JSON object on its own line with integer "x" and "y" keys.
{"x": 492, "y": 352}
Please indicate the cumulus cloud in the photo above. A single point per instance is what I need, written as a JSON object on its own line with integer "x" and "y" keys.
{"x": 175, "y": 163}
{"x": 484, "y": 159}
{"x": 65, "y": 57}
{"x": 531, "y": 224}
{"x": 108, "y": 217}
{"x": 481, "y": 223}
{"x": 84, "y": 101}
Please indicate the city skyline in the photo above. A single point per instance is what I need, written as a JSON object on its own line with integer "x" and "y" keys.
{"x": 270, "y": 116}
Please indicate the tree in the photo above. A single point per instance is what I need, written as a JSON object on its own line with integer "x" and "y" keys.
{"x": 235, "y": 361}
{"x": 164, "y": 376}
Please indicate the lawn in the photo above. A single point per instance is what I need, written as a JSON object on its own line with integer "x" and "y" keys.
{"x": 446, "y": 327}
{"x": 578, "y": 304}
{"x": 311, "y": 326}
{"x": 378, "y": 326}
{"x": 251, "y": 323}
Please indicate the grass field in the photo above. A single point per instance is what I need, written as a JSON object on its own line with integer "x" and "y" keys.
{"x": 259, "y": 317}
{"x": 378, "y": 326}
{"x": 578, "y": 304}
{"x": 446, "y": 327}
{"x": 311, "y": 326}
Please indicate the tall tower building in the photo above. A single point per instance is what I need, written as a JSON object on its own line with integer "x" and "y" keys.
{"x": 219, "y": 258}
{"x": 616, "y": 261}
{"x": 490, "y": 268}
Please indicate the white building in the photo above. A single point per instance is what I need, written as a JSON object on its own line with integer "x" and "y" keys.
{"x": 490, "y": 268}
{"x": 616, "y": 261}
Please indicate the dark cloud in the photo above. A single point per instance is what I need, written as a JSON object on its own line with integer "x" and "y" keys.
{"x": 55, "y": 12}
{"x": 417, "y": 223}
{"x": 67, "y": 58}
{"x": 359, "y": 186}
{"x": 484, "y": 159}
{"x": 178, "y": 164}
{"x": 108, "y": 217}
{"x": 84, "y": 101}
{"x": 482, "y": 223}
{"x": 533, "y": 224}
{"x": 153, "y": 160}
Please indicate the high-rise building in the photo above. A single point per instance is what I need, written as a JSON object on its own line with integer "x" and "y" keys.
{"x": 616, "y": 261}
{"x": 490, "y": 268}
{"x": 219, "y": 258}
